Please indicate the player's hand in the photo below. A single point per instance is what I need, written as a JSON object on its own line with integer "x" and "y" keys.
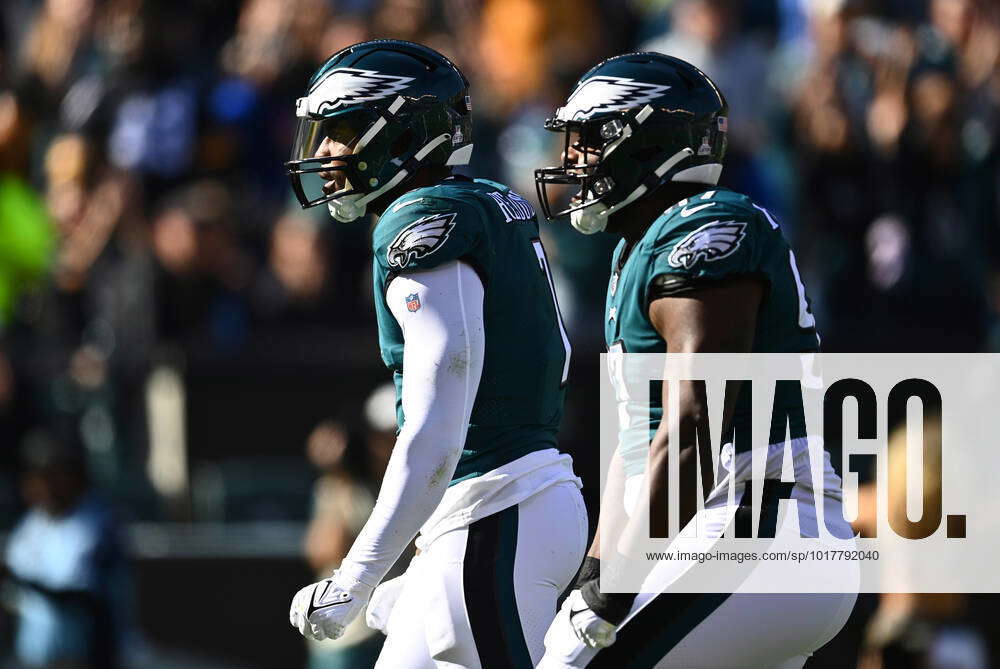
{"x": 589, "y": 627}
{"x": 323, "y": 610}
{"x": 382, "y": 602}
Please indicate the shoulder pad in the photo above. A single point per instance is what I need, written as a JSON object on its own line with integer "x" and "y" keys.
{"x": 424, "y": 231}
{"x": 707, "y": 236}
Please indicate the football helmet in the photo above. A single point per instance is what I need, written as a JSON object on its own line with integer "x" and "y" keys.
{"x": 632, "y": 123}
{"x": 373, "y": 114}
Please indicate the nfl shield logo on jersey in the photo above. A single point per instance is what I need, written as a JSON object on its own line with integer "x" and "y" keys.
{"x": 413, "y": 302}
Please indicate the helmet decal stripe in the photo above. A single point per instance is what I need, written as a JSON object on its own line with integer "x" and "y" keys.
{"x": 347, "y": 86}
{"x": 605, "y": 94}
{"x": 378, "y": 125}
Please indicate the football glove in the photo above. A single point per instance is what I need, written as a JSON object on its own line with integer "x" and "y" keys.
{"x": 323, "y": 610}
{"x": 588, "y": 627}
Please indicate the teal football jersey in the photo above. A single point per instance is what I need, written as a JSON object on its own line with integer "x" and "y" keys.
{"x": 520, "y": 397}
{"x": 705, "y": 238}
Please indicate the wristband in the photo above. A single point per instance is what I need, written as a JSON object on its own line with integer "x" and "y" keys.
{"x": 612, "y": 607}
{"x": 589, "y": 571}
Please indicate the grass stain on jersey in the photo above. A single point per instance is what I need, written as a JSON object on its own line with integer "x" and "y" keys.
{"x": 440, "y": 472}
{"x": 458, "y": 364}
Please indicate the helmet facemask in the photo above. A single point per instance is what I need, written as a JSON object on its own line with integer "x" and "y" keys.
{"x": 312, "y": 166}
{"x": 624, "y": 155}
{"x": 584, "y": 144}
{"x": 360, "y": 153}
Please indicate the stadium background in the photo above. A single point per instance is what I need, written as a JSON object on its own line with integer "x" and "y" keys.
{"x": 168, "y": 309}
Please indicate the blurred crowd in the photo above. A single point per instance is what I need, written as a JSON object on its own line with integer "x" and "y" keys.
{"x": 146, "y": 222}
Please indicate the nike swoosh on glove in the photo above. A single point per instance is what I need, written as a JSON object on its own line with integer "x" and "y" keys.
{"x": 589, "y": 627}
{"x": 324, "y": 609}
{"x": 574, "y": 624}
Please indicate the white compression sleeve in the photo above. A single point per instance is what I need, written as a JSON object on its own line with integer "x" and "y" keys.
{"x": 444, "y": 339}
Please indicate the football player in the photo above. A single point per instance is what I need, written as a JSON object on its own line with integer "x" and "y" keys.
{"x": 469, "y": 324}
{"x": 699, "y": 269}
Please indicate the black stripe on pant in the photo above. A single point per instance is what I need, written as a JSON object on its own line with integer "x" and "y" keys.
{"x": 656, "y": 630}
{"x": 663, "y": 623}
{"x": 490, "y": 600}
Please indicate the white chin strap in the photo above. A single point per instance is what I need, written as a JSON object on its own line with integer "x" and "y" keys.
{"x": 590, "y": 219}
{"x": 346, "y": 209}
{"x": 594, "y": 218}
{"x": 352, "y": 207}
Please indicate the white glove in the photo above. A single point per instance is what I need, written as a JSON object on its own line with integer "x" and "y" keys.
{"x": 589, "y": 627}
{"x": 323, "y": 610}
{"x": 382, "y": 602}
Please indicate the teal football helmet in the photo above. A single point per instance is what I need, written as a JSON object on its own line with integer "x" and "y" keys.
{"x": 634, "y": 122}
{"x": 393, "y": 107}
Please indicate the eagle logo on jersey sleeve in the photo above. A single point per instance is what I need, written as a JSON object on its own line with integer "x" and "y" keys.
{"x": 348, "y": 86}
{"x": 419, "y": 239}
{"x": 713, "y": 241}
{"x": 604, "y": 94}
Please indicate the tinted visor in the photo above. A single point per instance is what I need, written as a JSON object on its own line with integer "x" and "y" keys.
{"x": 323, "y": 164}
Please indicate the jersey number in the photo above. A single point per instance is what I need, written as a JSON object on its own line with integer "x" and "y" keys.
{"x": 543, "y": 263}
{"x": 806, "y": 319}
{"x": 616, "y": 370}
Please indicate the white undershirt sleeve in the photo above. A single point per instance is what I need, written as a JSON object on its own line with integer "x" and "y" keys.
{"x": 440, "y": 312}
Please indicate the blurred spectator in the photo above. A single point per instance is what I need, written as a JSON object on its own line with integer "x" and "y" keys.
{"x": 66, "y": 565}
{"x": 929, "y": 630}
{"x": 25, "y": 228}
{"x": 297, "y": 285}
{"x": 707, "y": 34}
{"x": 526, "y": 44}
{"x": 380, "y": 421}
{"x": 56, "y": 43}
{"x": 203, "y": 272}
{"x": 343, "y": 501}
{"x": 344, "y": 498}
{"x": 880, "y": 106}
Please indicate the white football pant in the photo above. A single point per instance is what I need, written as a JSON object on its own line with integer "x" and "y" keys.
{"x": 483, "y": 596}
{"x": 679, "y": 630}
